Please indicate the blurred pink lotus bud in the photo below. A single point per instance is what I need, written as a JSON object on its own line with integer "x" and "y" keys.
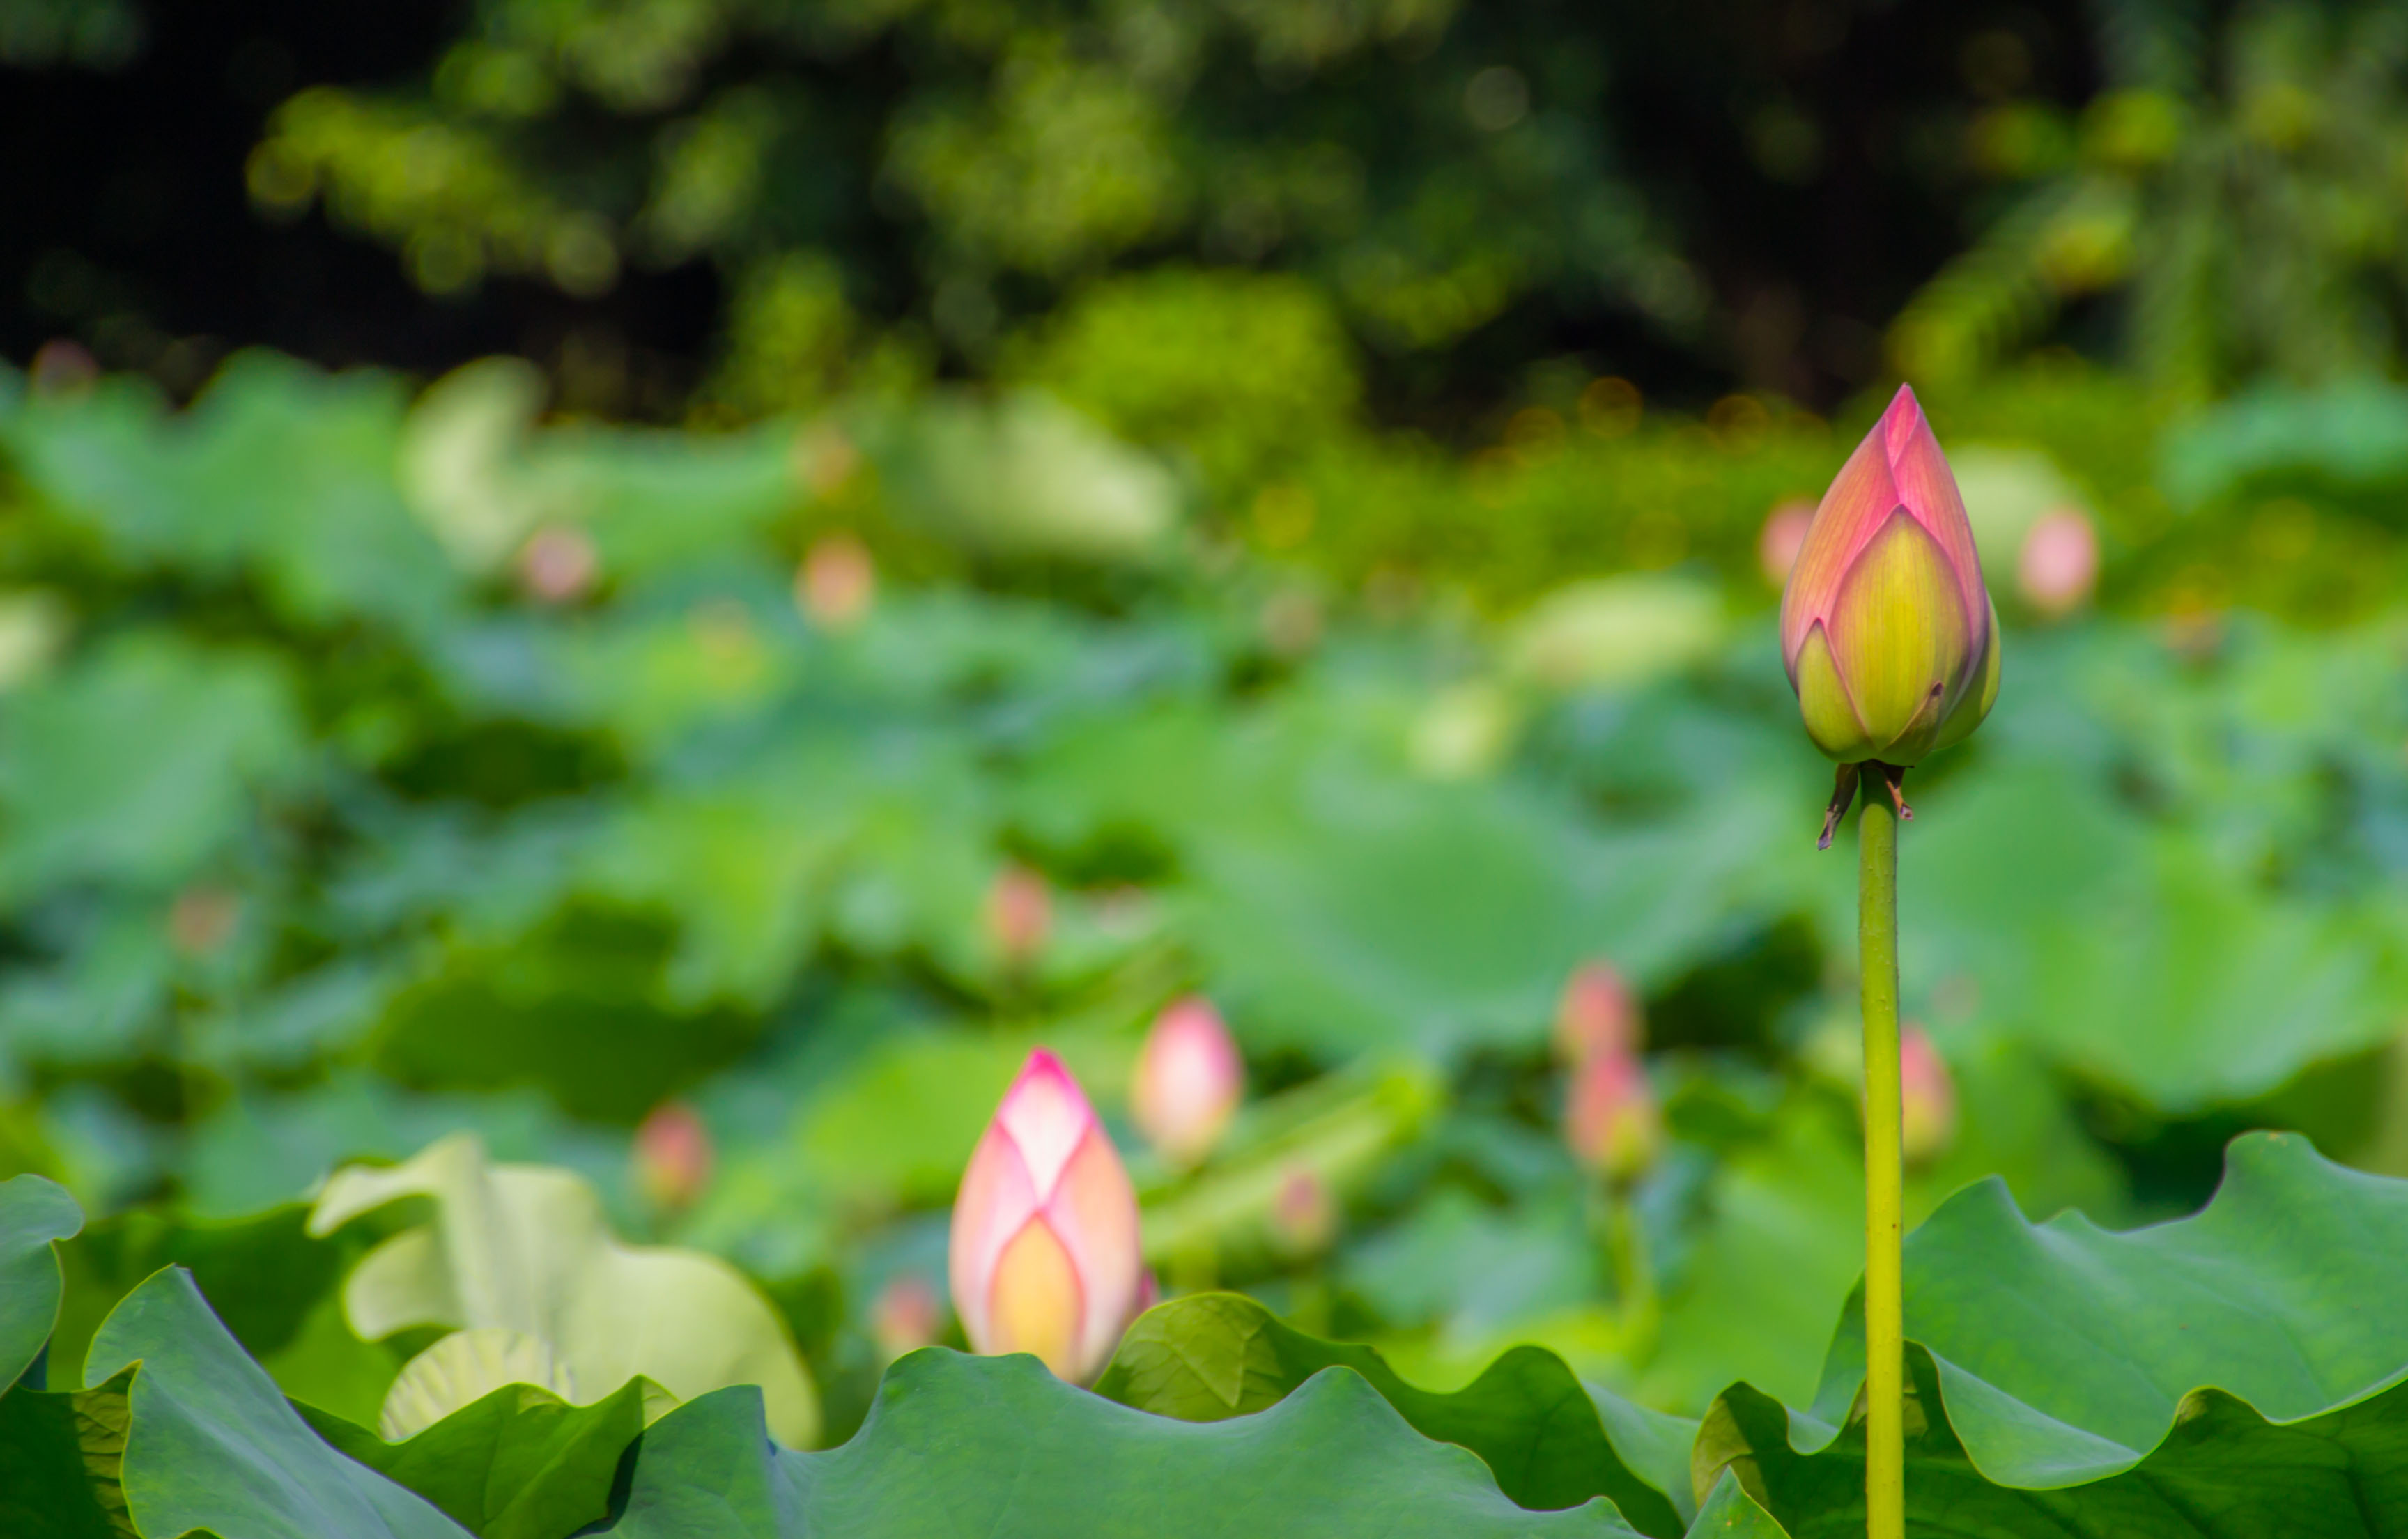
{"x": 1044, "y": 1256}
{"x": 1598, "y": 1015}
{"x": 558, "y": 564}
{"x": 836, "y": 582}
{"x": 673, "y": 1157}
{"x": 1887, "y": 633}
{"x": 203, "y": 918}
{"x": 1927, "y": 1095}
{"x": 62, "y": 367}
{"x": 1189, "y": 1077}
{"x": 2059, "y": 567}
{"x": 1785, "y": 535}
{"x": 1611, "y": 1121}
{"x": 1019, "y": 913}
{"x": 1304, "y": 1217}
{"x": 905, "y": 1316}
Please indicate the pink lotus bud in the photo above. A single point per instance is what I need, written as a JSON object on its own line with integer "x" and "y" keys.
{"x": 1019, "y": 913}
{"x": 1304, "y": 1217}
{"x": 835, "y": 583}
{"x": 906, "y": 1317}
{"x": 1612, "y": 1123}
{"x": 1887, "y": 633}
{"x": 1783, "y": 536}
{"x": 2058, "y": 565}
{"x": 1189, "y": 1077}
{"x": 1598, "y": 1015}
{"x": 673, "y": 1157}
{"x": 1044, "y": 1256}
{"x": 62, "y": 367}
{"x": 202, "y": 918}
{"x": 558, "y": 564}
{"x": 1927, "y": 1097}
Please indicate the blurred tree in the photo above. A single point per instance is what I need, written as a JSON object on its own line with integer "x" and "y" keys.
{"x": 2238, "y": 192}
{"x": 744, "y": 204}
{"x": 932, "y": 174}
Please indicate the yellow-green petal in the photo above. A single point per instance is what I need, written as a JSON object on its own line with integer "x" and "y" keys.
{"x": 1823, "y": 701}
{"x": 1971, "y": 710}
{"x": 1900, "y": 637}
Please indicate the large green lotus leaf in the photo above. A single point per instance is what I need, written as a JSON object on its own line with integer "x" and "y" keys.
{"x": 517, "y": 1463}
{"x": 2232, "y": 1373}
{"x": 62, "y": 1463}
{"x": 211, "y": 1445}
{"x": 999, "y": 1448}
{"x": 2132, "y": 955}
{"x": 35, "y": 1214}
{"x": 526, "y": 1249}
{"x": 1779, "y": 1238}
{"x": 1550, "y": 1442}
{"x": 277, "y": 1293}
{"x": 2222, "y": 1472}
{"x": 278, "y": 470}
{"x": 1731, "y": 1512}
{"x": 137, "y": 764}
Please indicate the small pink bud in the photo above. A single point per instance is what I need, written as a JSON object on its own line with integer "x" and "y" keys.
{"x": 836, "y": 582}
{"x": 63, "y": 367}
{"x": 1927, "y": 1097}
{"x": 1785, "y": 535}
{"x": 202, "y": 918}
{"x": 1188, "y": 1079}
{"x": 558, "y": 564}
{"x": 2059, "y": 567}
{"x": 906, "y": 1317}
{"x": 1304, "y": 1217}
{"x": 673, "y": 1157}
{"x": 1612, "y": 1123}
{"x": 1598, "y": 1015}
{"x": 1044, "y": 1256}
{"x": 1019, "y": 913}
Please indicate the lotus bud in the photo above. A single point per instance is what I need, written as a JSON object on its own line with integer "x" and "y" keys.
{"x": 1019, "y": 913}
{"x": 835, "y": 583}
{"x": 672, "y": 1157}
{"x": 1927, "y": 1097}
{"x": 558, "y": 564}
{"x": 1304, "y": 1216}
{"x": 1598, "y": 1015}
{"x": 2058, "y": 565}
{"x": 905, "y": 1316}
{"x": 1784, "y": 535}
{"x": 1888, "y": 633}
{"x": 1189, "y": 1077}
{"x": 1044, "y": 1256}
{"x": 1612, "y": 1123}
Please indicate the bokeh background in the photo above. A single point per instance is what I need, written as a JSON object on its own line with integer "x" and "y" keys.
{"x": 731, "y": 565}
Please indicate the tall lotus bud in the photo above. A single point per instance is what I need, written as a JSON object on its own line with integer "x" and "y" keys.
{"x": 1926, "y": 1096}
{"x": 672, "y": 1157}
{"x": 1019, "y": 913}
{"x": 1044, "y": 1256}
{"x": 2058, "y": 565}
{"x": 1189, "y": 1077}
{"x": 1888, "y": 636}
{"x": 1611, "y": 1121}
{"x": 1596, "y": 1016}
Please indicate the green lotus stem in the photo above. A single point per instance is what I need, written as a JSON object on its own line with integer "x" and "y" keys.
{"x": 1885, "y": 1322}
{"x": 1634, "y": 1272}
